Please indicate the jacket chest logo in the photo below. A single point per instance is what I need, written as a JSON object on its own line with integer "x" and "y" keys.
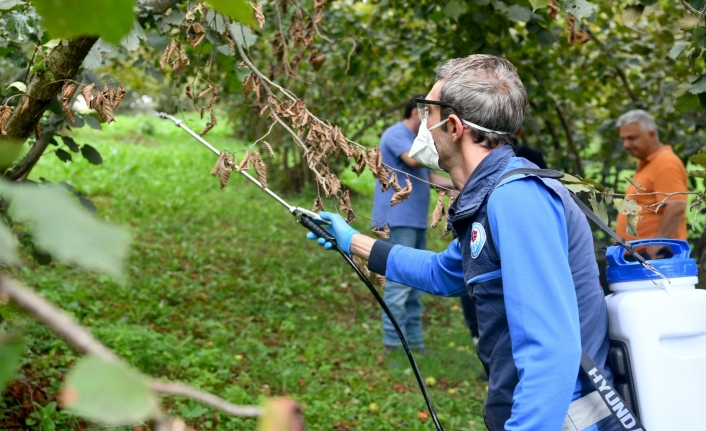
{"x": 477, "y": 239}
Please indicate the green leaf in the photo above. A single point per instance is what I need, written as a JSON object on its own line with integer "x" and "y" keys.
{"x": 599, "y": 208}
{"x": 518, "y": 13}
{"x": 454, "y": 8}
{"x": 635, "y": 184}
{"x": 91, "y": 154}
{"x": 239, "y": 10}
{"x": 63, "y": 155}
{"x": 8, "y": 245}
{"x": 570, "y": 178}
{"x": 20, "y": 86}
{"x": 243, "y": 34}
{"x": 687, "y": 102}
{"x": 111, "y": 393}
{"x": 539, "y": 4}
{"x": 648, "y": 2}
{"x": 700, "y": 36}
{"x": 69, "y": 142}
{"x": 64, "y": 229}
{"x": 697, "y": 174}
{"x": 65, "y": 19}
{"x": 9, "y": 4}
{"x": 698, "y": 86}
{"x": 626, "y": 206}
{"x": 631, "y": 227}
{"x": 699, "y": 159}
{"x": 576, "y": 188}
{"x": 11, "y": 350}
{"x": 579, "y": 8}
{"x": 677, "y": 49}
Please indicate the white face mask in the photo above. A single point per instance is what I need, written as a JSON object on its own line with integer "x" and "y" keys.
{"x": 423, "y": 149}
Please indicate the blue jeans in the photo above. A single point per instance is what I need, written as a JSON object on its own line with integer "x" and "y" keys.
{"x": 404, "y": 302}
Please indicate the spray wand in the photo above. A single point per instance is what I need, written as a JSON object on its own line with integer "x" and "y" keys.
{"x": 313, "y": 222}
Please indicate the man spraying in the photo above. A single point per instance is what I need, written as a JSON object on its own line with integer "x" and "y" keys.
{"x": 536, "y": 310}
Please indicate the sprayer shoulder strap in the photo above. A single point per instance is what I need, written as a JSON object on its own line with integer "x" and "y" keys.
{"x": 627, "y": 420}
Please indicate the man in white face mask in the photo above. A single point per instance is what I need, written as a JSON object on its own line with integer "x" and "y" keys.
{"x": 407, "y": 222}
{"x": 524, "y": 252}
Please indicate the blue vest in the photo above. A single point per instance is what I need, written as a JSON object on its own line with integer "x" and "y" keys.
{"x": 481, "y": 275}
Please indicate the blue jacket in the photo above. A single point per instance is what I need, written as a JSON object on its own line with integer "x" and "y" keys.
{"x": 538, "y": 309}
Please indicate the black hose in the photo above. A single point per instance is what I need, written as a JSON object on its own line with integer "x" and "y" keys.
{"x": 316, "y": 229}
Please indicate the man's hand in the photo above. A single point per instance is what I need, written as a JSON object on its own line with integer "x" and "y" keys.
{"x": 339, "y": 229}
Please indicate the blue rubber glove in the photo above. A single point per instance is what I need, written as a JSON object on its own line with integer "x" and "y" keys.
{"x": 339, "y": 229}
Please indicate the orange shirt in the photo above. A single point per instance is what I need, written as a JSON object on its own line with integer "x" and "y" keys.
{"x": 662, "y": 171}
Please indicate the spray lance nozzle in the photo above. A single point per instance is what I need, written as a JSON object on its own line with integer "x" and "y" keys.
{"x": 314, "y": 222}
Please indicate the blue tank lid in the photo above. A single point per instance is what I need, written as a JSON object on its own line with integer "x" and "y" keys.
{"x": 680, "y": 265}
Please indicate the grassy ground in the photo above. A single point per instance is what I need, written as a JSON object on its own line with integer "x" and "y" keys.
{"x": 224, "y": 293}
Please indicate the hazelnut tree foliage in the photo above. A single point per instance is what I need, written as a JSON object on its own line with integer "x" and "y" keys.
{"x": 306, "y": 81}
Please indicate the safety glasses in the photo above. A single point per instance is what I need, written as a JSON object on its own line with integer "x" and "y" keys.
{"x": 423, "y": 108}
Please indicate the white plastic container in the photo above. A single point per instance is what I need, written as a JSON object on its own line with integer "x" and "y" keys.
{"x": 664, "y": 330}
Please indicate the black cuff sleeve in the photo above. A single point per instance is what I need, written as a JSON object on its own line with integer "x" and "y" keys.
{"x": 378, "y": 257}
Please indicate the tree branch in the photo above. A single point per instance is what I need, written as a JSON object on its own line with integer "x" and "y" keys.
{"x": 24, "y": 167}
{"x": 55, "y": 319}
{"x": 181, "y": 390}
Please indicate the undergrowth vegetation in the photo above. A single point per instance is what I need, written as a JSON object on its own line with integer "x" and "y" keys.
{"x": 224, "y": 292}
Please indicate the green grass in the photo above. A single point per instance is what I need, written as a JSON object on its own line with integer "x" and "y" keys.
{"x": 224, "y": 293}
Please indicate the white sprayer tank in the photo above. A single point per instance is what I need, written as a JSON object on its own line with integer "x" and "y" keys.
{"x": 664, "y": 333}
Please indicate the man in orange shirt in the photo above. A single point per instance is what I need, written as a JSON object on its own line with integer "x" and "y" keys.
{"x": 658, "y": 170}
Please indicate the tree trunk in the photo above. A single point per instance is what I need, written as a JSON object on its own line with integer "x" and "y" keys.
{"x": 47, "y": 76}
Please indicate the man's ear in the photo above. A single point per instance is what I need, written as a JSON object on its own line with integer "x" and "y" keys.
{"x": 652, "y": 134}
{"x": 456, "y": 127}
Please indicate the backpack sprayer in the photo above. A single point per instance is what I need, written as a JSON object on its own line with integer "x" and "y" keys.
{"x": 313, "y": 222}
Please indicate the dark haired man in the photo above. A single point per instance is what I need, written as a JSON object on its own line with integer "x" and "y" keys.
{"x": 407, "y": 222}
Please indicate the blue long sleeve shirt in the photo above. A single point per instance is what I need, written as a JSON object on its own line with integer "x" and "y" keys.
{"x": 529, "y": 232}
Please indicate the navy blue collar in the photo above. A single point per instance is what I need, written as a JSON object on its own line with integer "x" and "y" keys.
{"x": 479, "y": 184}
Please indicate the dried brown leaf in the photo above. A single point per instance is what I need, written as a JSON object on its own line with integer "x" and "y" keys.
{"x": 345, "y": 204}
{"x": 119, "y": 96}
{"x": 87, "y": 91}
{"x": 229, "y": 41}
{"x": 360, "y": 265}
{"x": 269, "y": 148}
{"x": 195, "y": 34}
{"x": 168, "y": 53}
{"x": 212, "y": 99}
{"x": 210, "y": 125}
{"x": 217, "y": 166}
{"x": 98, "y": 104}
{"x": 67, "y": 92}
{"x": 359, "y": 165}
{"x": 251, "y": 84}
{"x": 382, "y": 233}
{"x": 259, "y": 16}
{"x": 260, "y": 168}
{"x": 319, "y": 6}
{"x": 206, "y": 92}
{"x": 188, "y": 92}
{"x": 5, "y": 113}
{"x": 300, "y": 116}
{"x": 316, "y": 60}
{"x": 439, "y": 210}
{"x": 318, "y": 204}
{"x": 180, "y": 63}
{"x": 402, "y": 194}
{"x": 389, "y": 181}
{"x": 107, "y": 104}
{"x": 245, "y": 163}
{"x": 335, "y": 184}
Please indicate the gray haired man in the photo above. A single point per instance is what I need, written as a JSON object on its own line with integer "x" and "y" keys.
{"x": 658, "y": 170}
{"x": 536, "y": 311}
